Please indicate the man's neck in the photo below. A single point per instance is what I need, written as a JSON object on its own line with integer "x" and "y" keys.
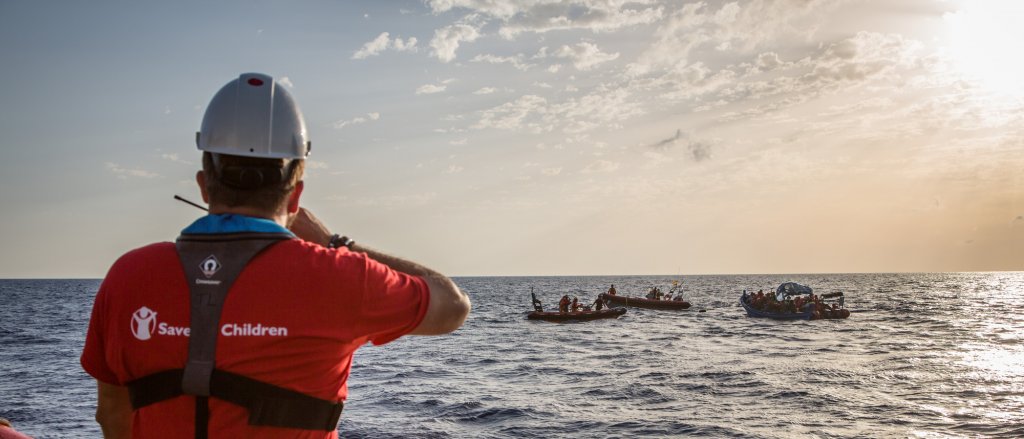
{"x": 277, "y": 217}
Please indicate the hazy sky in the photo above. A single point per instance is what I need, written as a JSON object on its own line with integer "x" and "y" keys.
{"x": 484, "y": 137}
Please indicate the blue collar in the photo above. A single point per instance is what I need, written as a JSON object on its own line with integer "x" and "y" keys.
{"x": 231, "y": 223}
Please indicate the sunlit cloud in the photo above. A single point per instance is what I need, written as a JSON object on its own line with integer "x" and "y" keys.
{"x": 315, "y": 164}
{"x": 125, "y": 173}
{"x": 356, "y": 120}
{"x": 546, "y": 16}
{"x": 429, "y": 89}
{"x": 384, "y": 42}
{"x": 585, "y": 56}
{"x": 485, "y": 91}
{"x": 513, "y": 115}
{"x": 514, "y": 61}
{"x": 447, "y": 40}
{"x": 600, "y": 166}
{"x": 286, "y": 81}
{"x": 386, "y": 201}
{"x": 172, "y": 157}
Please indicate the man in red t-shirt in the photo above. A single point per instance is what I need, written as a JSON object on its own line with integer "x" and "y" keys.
{"x": 246, "y": 325}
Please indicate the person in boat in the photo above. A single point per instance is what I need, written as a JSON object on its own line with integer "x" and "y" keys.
{"x": 563, "y": 304}
{"x": 599, "y": 303}
{"x": 536, "y": 303}
{"x": 679, "y": 297}
{"x": 575, "y": 304}
{"x": 611, "y": 290}
{"x": 302, "y": 300}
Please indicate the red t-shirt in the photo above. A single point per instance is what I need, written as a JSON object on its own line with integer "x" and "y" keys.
{"x": 293, "y": 318}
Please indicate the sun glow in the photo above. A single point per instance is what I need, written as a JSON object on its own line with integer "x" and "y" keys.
{"x": 985, "y": 44}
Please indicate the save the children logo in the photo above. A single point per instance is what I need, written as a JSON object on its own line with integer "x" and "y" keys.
{"x": 144, "y": 327}
{"x": 143, "y": 323}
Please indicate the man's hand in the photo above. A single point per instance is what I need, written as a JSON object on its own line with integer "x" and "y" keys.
{"x": 308, "y": 227}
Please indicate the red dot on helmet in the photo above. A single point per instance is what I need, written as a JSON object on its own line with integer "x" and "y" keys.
{"x": 255, "y": 82}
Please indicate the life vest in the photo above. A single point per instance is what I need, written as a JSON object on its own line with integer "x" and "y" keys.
{"x": 212, "y": 263}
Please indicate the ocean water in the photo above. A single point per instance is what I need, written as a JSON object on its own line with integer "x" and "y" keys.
{"x": 923, "y": 355}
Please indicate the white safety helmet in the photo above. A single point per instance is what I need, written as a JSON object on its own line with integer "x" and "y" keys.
{"x": 253, "y": 116}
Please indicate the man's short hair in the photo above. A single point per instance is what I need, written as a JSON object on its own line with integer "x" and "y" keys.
{"x": 261, "y": 183}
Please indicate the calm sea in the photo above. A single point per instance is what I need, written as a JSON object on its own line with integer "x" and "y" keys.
{"x": 923, "y": 355}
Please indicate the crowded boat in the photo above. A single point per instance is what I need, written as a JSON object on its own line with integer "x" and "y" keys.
{"x": 793, "y": 301}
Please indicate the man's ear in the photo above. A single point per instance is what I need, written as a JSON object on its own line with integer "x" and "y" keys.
{"x": 293, "y": 198}
{"x": 201, "y": 181}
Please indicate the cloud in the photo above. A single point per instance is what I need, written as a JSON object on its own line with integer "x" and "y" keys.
{"x": 600, "y": 166}
{"x": 863, "y": 56}
{"x": 768, "y": 61}
{"x": 409, "y": 45}
{"x": 485, "y": 91}
{"x": 584, "y": 56}
{"x": 286, "y": 81}
{"x": 514, "y": 115}
{"x": 124, "y": 173}
{"x": 374, "y": 47}
{"x": 731, "y": 27}
{"x": 656, "y": 159}
{"x": 447, "y": 40}
{"x": 515, "y": 61}
{"x": 429, "y": 89}
{"x": 314, "y": 164}
{"x": 384, "y": 42}
{"x": 387, "y": 201}
{"x": 699, "y": 150}
{"x": 604, "y": 107}
{"x": 551, "y": 172}
{"x": 766, "y": 83}
{"x": 170, "y": 157}
{"x": 454, "y": 169}
{"x": 498, "y": 9}
{"x": 356, "y": 121}
{"x": 551, "y": 15}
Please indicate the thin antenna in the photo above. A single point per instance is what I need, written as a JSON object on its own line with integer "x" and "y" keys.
{"x": 179, "y": 198}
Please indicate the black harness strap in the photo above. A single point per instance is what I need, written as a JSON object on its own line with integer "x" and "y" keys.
{"x": 268, "y": 405}
{"x": 211, "y": 264}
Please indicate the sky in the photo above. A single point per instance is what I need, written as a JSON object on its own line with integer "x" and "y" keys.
{"x": 549, "y": 137}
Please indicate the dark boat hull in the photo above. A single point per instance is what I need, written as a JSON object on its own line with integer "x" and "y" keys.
{"x": 641, "y": 302}
{"x": 577, "y": 316}
{"x": 754, "y": 312}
